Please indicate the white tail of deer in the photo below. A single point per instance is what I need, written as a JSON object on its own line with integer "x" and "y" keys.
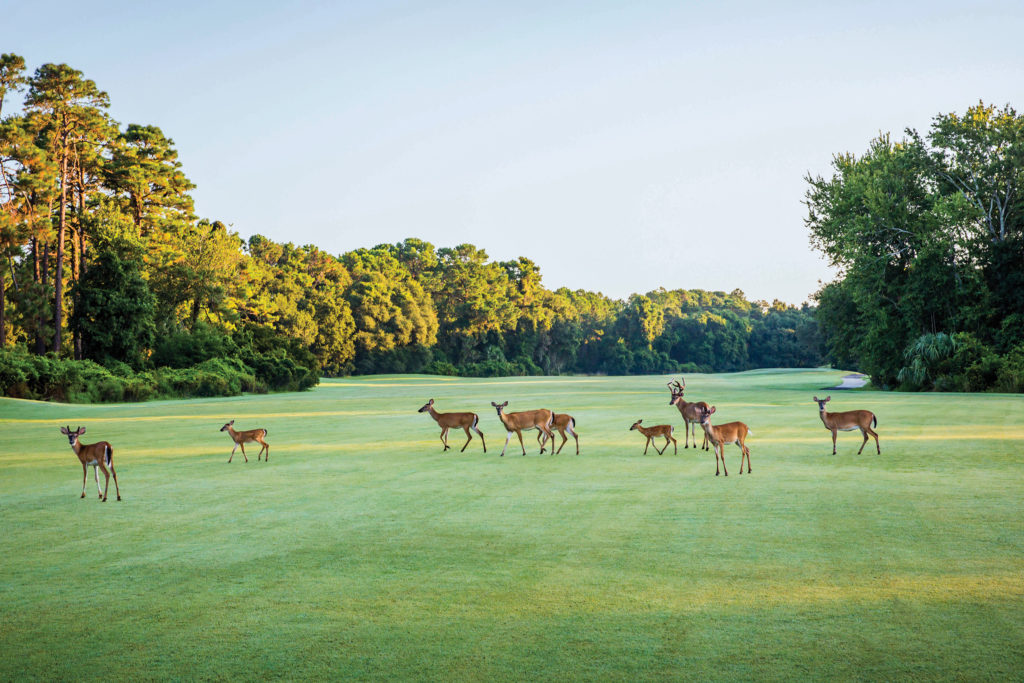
{"x": 528, "y": 419}
{"x": 847, "y": 421}
{"x": 562, "y": 423}
{"x": 247, "y": 436}
{"x": 446, "y": 421}
{"x": 657, "y": 430}
{"x": 99, "y": 454}
{"x": 689, "y": 411}
{"x": 731, "y": 432}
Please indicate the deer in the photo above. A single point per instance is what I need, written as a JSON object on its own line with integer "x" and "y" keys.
{"x": 563, "y": 423}
{"x": 517, "y": 422}
{"x": 657, "y": 430}
{"x": 99, "y": 454}
{"x": 244, "y": 437}
{"x": 689, "y": 411}
{"x": 731, "y": 432}
{"x": 446, "y": 421}
{"x": 847, "y": 421}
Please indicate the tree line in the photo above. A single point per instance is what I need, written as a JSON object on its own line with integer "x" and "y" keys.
{"x": 928, "y": 234}
{"x": 109, "y": 279}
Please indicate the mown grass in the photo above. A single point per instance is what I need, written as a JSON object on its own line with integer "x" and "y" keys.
{"x": 361, "y": 551}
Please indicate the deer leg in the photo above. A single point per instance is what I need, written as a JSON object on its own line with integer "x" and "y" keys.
{"x": 543, "y": 439}
{"x": 268, "y": 450}
{"x": 647, "y": 444}
{"x": 716, "y": 460}
{"x": 477, "y": 430}
{"x": 875, "y": 434}
{"x": 444, "y": 438}
{"x": 96, "y": 476}
{"x": 243, "y": 451}
{"x": 469, "y": 437}
{"x": 106, "y": 482}
{"x": 865, "y": 443}
{"x": 233, "y": 451}
{"x": 519, "y": 433}
{"x": 564, "y": 439}
{"x": 834, "y": 432}
{"x": 116, "y": 487}
{"x": 507, "y": 437}
{"x": 705, "y": 444}
{"x": 84, "y": 471}
{"x": 675, "y": 445}
{"x": 686, "y": 435}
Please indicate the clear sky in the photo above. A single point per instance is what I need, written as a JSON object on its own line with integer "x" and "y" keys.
{"x": 622, "y": 146}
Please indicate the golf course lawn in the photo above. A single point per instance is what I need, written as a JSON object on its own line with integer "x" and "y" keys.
{"x": 362, "y": 551}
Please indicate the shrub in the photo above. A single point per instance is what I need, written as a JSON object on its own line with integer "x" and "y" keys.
{"x": 1010, "y": 376}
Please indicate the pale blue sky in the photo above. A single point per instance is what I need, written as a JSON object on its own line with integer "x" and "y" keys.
{"x": 622, "y": 146}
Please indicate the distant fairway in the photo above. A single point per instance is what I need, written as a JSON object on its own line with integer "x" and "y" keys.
{"x": 361, "y": 551}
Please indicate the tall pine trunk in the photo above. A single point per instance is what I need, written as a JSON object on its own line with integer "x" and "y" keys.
{"x": 41, "y": 320}
{"x": 78, "y": 246}
{"x": 58, "y": 278}
{"x": 3, "y": 305}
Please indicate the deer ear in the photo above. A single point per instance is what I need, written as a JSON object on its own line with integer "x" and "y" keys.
{"x": 504, "y": 404}
{"x": 815, "y": 399}
{"x": 63, "y": 430}
{"x": 231, "y": 423}
{"x": 431, "y": 401}
{"x": 81, "y": 430}
{"x": 829, "y": 398}
{"x": 713, "y": 409}
{"x": 494, "y": 404}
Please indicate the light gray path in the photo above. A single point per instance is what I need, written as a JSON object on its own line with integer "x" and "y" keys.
{"x": 852, "y": 382}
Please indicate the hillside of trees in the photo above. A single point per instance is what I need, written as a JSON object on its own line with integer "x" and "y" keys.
{"x": 928, "y": 234}
{"x": 113, "y": 289}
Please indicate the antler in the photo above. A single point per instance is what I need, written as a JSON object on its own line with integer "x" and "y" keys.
{"x": 678, "y": 387}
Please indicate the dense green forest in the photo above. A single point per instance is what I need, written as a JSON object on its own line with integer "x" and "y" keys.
{"x": 113, "y": 289}
{"x": 928, "y": 234}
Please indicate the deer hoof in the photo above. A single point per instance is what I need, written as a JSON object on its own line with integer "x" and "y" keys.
{"x": 83, "y": 495}
{"x": 119, "y": 499}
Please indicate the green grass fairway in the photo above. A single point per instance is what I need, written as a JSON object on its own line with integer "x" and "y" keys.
{"x": 361, "y": 551}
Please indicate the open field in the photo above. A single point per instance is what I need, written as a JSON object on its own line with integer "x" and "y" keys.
{"x": 361, "y": 551}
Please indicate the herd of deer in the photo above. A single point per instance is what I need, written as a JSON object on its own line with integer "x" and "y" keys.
{"x": 101, "y": 454}
{"x": 693, "y": 413}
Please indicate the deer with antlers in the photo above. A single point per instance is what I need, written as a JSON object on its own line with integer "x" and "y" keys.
{"x": 563, "y": 423}
{"x": 99, "y": 454}
{"x": 244, "y": 437}
{"x": 847, "y": 421}
{"x": 446, "y": 421}
{"x": 528, "y": 419}
{"x": 731, "y": 432}
{"x": 657, "y": 430}
{"x": 689, "y": 411}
